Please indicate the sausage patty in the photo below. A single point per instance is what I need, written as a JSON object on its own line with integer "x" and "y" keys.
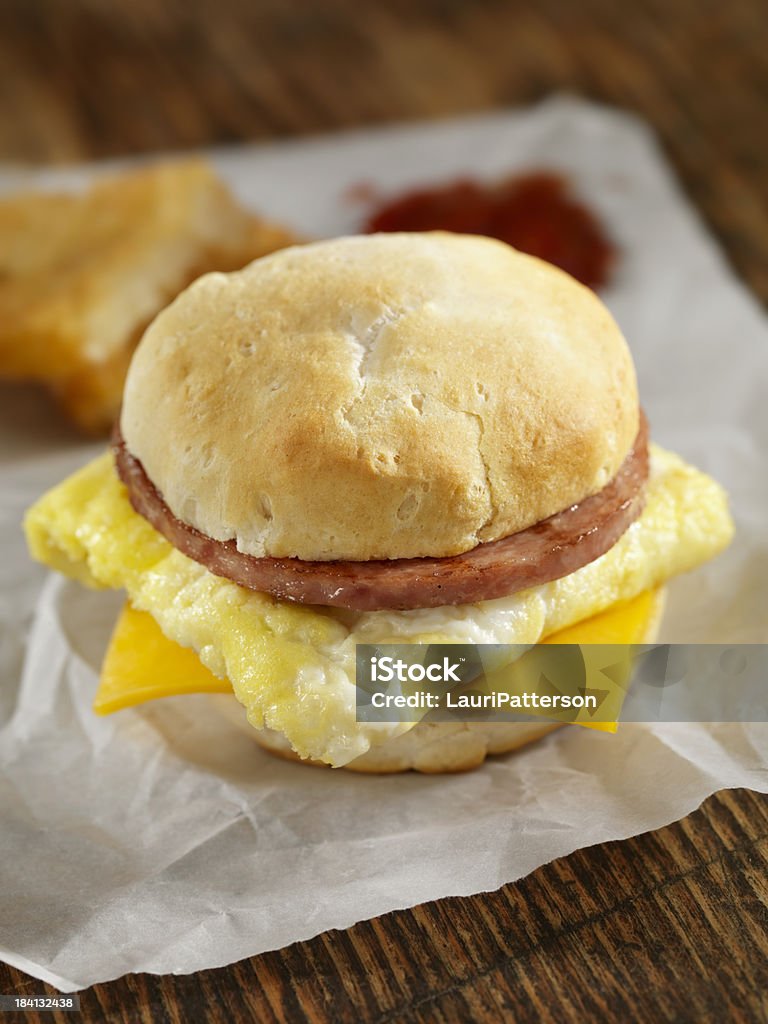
{"x": 548, "y": 550}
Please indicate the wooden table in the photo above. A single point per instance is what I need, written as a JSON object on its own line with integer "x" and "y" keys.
{"x": 672, "y": 925}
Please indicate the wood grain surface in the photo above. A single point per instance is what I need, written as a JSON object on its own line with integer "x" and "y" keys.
{"x": 669, "y": 926}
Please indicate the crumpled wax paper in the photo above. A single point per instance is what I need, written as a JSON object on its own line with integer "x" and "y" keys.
{"x": 162, "y": 839}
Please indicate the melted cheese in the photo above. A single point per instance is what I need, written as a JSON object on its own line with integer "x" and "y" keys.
{"x": 293, "y": 666}
{"x": 142, "y": 664}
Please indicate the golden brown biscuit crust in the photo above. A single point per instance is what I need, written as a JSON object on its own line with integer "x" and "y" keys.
{"x": 382, "y": 396}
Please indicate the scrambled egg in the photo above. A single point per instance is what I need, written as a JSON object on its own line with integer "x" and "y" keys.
{"x": 293, "y": 666}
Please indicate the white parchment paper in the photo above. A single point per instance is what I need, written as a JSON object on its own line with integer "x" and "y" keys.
{"x": 163, "y": 840}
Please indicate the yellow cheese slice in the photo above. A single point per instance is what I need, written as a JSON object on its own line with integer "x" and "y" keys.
{"x": 628, "y": 623}
{"x": 635, "y": 622}
{"x": 141, "y": 664}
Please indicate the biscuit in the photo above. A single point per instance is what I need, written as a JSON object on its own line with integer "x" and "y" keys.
{"x": 432, "y": 748}
{"x": 81, "y": 275}
{"x": 380, "y": 396}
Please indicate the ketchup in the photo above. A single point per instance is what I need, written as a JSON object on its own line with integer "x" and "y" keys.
{"x": 533, "y": 212}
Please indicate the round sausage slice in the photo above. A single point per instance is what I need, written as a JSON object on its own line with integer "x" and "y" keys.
{"x": 548, "y": 550}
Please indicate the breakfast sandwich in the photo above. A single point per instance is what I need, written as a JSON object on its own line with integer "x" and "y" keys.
{"x": 400, "y": 438}
{"x": 81, "y": 276}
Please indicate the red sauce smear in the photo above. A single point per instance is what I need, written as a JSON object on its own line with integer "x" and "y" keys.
{"x": 532, "y": 212}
